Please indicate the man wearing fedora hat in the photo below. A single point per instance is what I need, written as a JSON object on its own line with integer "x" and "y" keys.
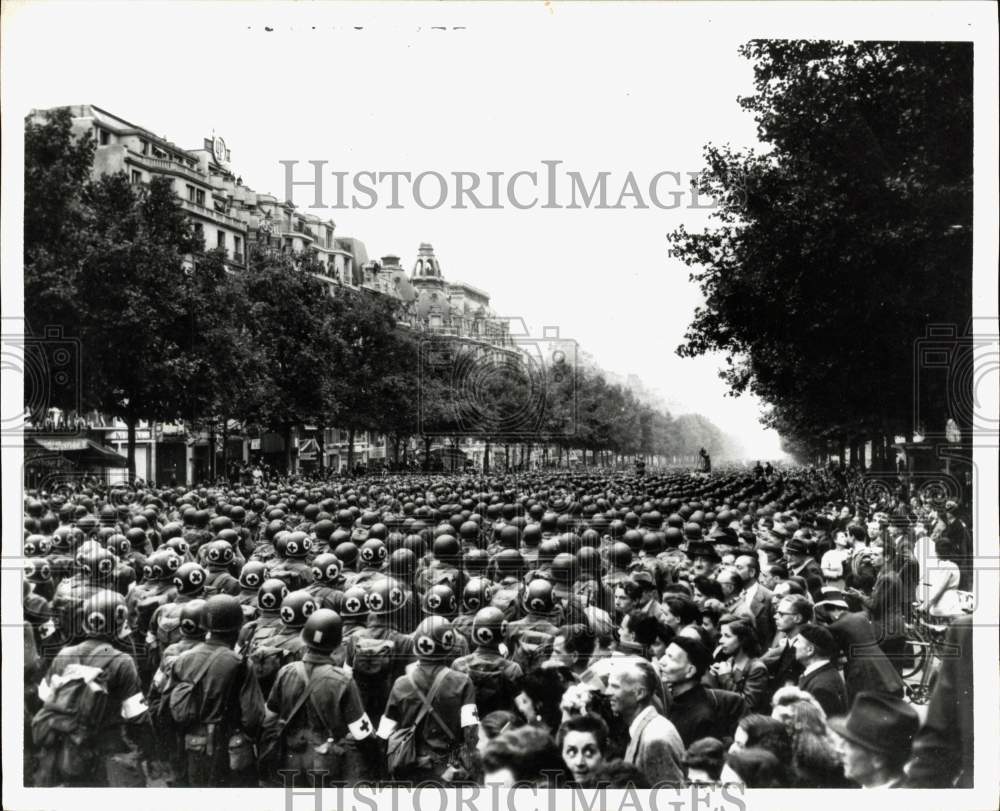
{"x": 878, "y": 736}
{"x": 800, "y": 561}
{"x": 704, "y": 557}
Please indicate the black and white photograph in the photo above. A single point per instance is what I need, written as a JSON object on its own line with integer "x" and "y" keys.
{"x": 532, "y": 405}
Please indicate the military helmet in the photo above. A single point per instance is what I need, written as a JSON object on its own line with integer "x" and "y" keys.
{"x": 223, "y": 613}
{"x": 252, "y": 574}
{"x": 104, "y": 614}
{"x": 434, "y": 639}
{"x": 296, "y": 608}
{"x": 323, "y": 631}
{"x": 477, "y": 593}
{"x": 271, "y": 594}
{"x": 489, "y": 627}
{"x": 386, "y": 596}
{"x": 439, "y": 599}
{"x": 190, "y": 578}
{"x": 326, "y": 568}
{"x": 373, "y": 553}
{"x": 538, "y": 597}
{"x": 353, "y": 604}
{"x": 192, "y": 619}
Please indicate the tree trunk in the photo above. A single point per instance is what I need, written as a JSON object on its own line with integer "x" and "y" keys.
{"x": 321, "y": 441}
{"x": 225, "y": 447}
{"x": 212, "y": 450}
{"x": 286, "y": 433}
{"x": 130, "y": 421}
{"x": 486, "y": 458}
{"x": 506, "y": 456}
{"x": 427, "y": 453}
{"x": 350, "y": 451}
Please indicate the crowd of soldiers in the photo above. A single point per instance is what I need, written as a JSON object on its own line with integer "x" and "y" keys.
{"x": 550, "y": 628}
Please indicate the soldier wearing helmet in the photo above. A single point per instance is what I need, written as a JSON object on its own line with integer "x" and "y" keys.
{"x": 267, "y": 625}
{"x": 94, "y": 573}
{"x": 477, "y": 594}
{"x": 81, "y": 760}
{"x": 372, "y": 556}
{"x": 333, "y": 717}
{"x": 292, "y": 549}
{"x": 327, "y": 580}
{"x": 378, "y": 654}
{"x": 217, "y": 673}
{"x": 252, "y": 575}
{"x": 353, "y": 611}
{"x": 448, "y": 736}
{"x": 530, "y": 639}
{"x": 495, "y": 678}
{"x": 217, "y": 557}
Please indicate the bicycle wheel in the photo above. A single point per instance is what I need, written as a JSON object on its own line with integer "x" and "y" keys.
{"x": 914, "y": 657}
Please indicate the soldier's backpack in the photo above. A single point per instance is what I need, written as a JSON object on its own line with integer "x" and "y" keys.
{"x": 183, "y": 697}
{"x": 401, "y": 747}
{"x": 168, "y": 625}
{"x": 266, "y": 660}
{"x": 373, "y": 658}
{"x": 70, "y": 716}
{"x": 493, "y": 692}
{"x": 533, "y": 647}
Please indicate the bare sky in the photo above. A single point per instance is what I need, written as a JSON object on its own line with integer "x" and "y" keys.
{"x": 499, "y": 89}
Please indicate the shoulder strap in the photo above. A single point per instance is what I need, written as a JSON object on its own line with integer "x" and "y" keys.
{"x": 300, "y": 668}
{"x": 427, "y": 700}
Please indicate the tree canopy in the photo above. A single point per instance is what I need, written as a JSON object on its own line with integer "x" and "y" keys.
{"x": 835, "y": 248}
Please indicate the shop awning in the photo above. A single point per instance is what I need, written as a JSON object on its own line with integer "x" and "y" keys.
{"x": 78, "y": 449}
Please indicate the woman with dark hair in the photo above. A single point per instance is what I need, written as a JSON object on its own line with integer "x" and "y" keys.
{"x": 680, "y": 611}
{"x": 763, "y": 732}
{"x": 526, "y": 756}
{"x": 887, "y": 614}
{"x": 738, "y": 667}
{"x": 753, "y": 768}
{"x": 583, "y": 742}
{"x": 494, "y": 724}
{"x": 644, "y": 635}
{"x": 703, "y": 762}
{"x": 712, "y": 611}
{"x": 538, "y": 701}
{"x": 705, "y": 588}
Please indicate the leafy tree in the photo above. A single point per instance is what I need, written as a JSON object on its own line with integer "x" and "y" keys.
{"x": 836, "y": 248}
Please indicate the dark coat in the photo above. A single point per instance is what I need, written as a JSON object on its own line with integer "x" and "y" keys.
{"x": 867, "y": 667}
{"x": 826, "y": 685}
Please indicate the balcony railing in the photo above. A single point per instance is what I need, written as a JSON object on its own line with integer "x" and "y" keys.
{"x": 168, "y": 165}
{"x": 211, "y": 213}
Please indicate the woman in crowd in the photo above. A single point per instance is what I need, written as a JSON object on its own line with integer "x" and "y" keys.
{"x": 817, "y": 761}
{"x": 938, "y": 591}
{"x": 680, "y": 612}
{"x": 703, "y": 762}
{"x": 887, "y": 612}
{"x": 538, "y": 701}
{"x": 583, "y": 743}
{"x": 752, "y": 768}
{"x": 738, "y": 667}
{"x": 711, "y": 613}
{"x": 763, "y": 732}
{"x": 494, "y": 724}
{"x": 526, "y": 756}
